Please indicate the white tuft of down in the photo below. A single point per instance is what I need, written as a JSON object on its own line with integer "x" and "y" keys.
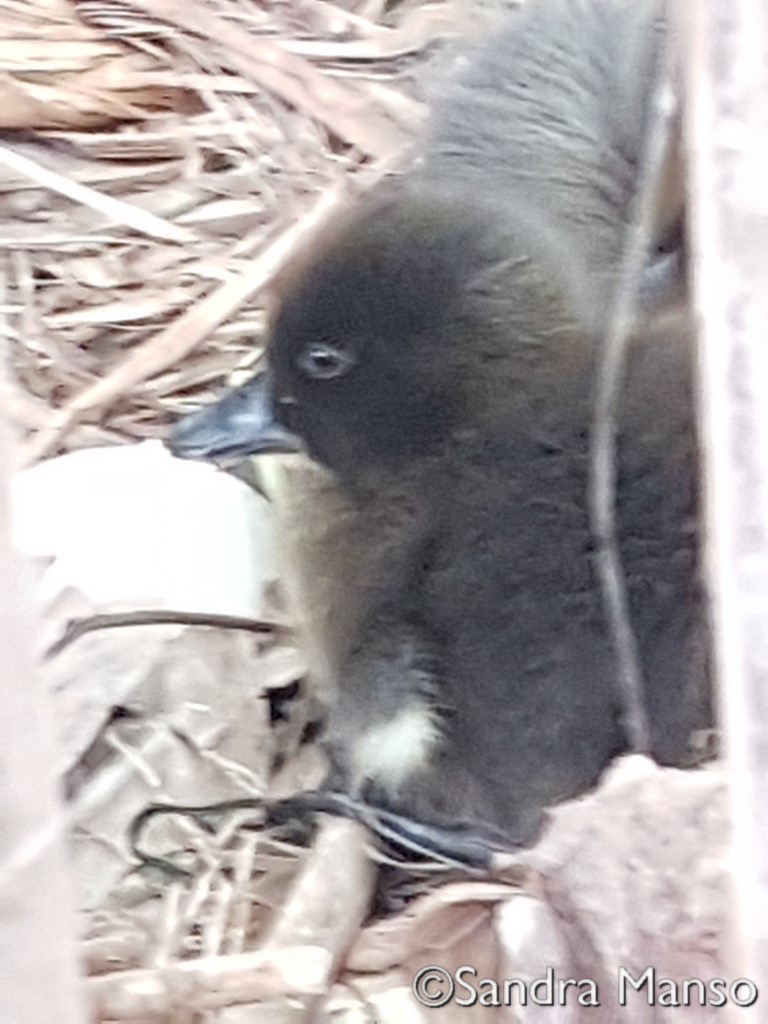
{"x": 390, "y": 753}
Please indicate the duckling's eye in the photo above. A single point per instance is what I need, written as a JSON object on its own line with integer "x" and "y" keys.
{"x": 323, "y": 361}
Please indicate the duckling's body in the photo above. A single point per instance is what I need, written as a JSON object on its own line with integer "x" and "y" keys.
{"x": 437, "y": 356}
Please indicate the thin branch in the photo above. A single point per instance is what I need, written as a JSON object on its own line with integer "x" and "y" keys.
{"x": 610, "y": 377}
{"x": 161, "y": 616}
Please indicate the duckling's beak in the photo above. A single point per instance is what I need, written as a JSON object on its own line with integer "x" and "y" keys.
{"x": 240, "y": 424}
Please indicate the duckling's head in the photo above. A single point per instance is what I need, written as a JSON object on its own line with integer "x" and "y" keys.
{"x": 390, "y": 338}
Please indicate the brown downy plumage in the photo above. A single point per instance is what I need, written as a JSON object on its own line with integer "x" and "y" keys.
{"x": 436, "y": 355}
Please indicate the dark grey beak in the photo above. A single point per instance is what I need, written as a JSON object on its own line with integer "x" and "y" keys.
{"x": 238, "y": 425}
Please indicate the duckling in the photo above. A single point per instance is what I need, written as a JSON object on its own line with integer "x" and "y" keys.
{"x": 435, "y": 356}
